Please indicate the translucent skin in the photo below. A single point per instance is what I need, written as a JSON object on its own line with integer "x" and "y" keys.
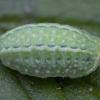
{"x": 50, "y": 50}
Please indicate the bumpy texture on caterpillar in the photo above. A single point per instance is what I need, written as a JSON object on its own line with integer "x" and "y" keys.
{"x": 50, "y": 50}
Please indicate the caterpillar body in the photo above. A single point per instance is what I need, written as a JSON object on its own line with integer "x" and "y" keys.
{"x": 50, "y": 50}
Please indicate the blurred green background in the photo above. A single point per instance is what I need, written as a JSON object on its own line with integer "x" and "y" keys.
{"x": 84, "y": 14}
{"x": 80, "y": 13}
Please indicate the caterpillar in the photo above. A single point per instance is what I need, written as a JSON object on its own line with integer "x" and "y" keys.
{"x": 50, "y": 50}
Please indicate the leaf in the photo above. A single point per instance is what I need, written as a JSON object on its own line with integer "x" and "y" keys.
{"x": 14, "y": 86}
{"x": 76, "y": 89}
{"x": 10, "y": 86}
{"x": 94, "y": 78}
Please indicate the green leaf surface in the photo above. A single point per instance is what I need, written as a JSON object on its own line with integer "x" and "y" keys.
{"x": 77, "y": 89}
{"x": 94, "y": 78}
{"x": 10, "y": 86}
{"x": 14, "y": 86}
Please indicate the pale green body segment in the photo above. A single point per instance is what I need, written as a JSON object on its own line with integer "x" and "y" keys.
{"x": 50, "y": 50}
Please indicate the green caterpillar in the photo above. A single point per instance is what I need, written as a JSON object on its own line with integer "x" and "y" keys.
{"x": 50, "y": 50}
